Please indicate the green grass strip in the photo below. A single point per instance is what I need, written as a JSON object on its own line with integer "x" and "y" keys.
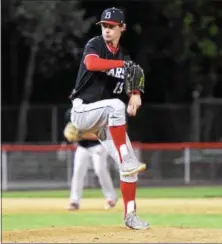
{"x": 48, "y": 220}
{"x": 144, "y": 192}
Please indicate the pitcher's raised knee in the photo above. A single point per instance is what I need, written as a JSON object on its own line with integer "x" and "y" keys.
{"x": 117, "y": 116}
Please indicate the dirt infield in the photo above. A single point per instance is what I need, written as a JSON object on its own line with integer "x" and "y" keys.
{"x": 115, "y": 234}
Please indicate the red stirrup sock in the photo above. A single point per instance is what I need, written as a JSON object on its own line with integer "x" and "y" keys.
{"x": 119, "y": 138}
{"x": 129, "y": 194}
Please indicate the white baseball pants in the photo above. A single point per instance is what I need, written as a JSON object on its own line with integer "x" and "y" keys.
{"x": 97, "y": 117}
{"x": 98, "y": 156}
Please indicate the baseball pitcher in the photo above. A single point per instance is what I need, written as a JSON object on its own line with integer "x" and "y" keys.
{"x": 107, "y": 80}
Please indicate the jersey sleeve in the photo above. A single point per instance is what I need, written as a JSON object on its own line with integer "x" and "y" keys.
{"x": 93, "y": 47}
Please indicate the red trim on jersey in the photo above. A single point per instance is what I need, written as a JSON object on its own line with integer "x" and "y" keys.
{"x": 94, "y": 63}
{"x": 135, "y": 92}
{"x": 112, "y": 49}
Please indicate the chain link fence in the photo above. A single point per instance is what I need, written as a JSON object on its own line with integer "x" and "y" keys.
{"x": 200, "y": 121}
{"x": 52, "y": 168}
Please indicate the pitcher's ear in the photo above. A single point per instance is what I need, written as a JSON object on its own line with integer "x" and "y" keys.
{"x": 123, "y": 27}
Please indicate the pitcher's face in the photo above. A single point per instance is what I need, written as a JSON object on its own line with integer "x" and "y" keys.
{"x": 111, "y": 32}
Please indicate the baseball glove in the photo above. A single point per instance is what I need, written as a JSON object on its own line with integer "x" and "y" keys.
{"x": 134, "y": 78}
{"x": 71, "y": 133}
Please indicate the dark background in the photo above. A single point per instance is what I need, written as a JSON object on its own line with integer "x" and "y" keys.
{"x": 178, "y": 43}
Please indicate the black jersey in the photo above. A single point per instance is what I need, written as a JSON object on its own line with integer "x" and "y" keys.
{"x": 92, "y": 86}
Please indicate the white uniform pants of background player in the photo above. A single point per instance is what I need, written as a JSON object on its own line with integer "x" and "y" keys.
{"x": 98, "y": 156}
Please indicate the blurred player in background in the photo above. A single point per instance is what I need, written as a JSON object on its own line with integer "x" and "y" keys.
{"x": 90, "y": 151}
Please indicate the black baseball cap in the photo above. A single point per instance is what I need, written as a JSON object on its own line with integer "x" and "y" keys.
{"x": 112, "y": 16}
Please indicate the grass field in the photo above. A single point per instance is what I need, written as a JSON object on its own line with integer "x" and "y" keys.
{"x": 183, "y": 214}
{"x": 156, "y": 192}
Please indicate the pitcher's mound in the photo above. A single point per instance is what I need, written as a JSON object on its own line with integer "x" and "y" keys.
{"x": 111, "y": 234}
